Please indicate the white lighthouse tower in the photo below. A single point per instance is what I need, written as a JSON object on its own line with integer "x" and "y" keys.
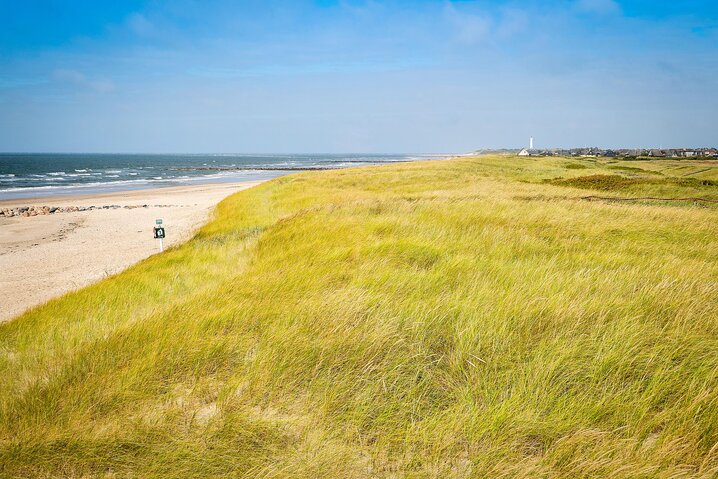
{"x": 530, "y": 151}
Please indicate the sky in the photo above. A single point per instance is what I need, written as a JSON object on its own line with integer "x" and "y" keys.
{"x": 202, "y": 76}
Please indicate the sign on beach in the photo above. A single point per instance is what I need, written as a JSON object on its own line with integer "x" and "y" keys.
{"x": 159, "y": 233}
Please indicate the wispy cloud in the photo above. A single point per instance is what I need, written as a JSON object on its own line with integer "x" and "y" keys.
{"x": 513, "y": 21}
{"x": 76, "y": 78}
{"x": 601, "y": 7}
{"x": 468, "y": 27}
{"x": 271, "y": 70}
{"x": 140, "y": 25}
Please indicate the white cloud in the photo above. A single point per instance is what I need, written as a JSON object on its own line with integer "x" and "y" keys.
{"x": 78, "y": 79}
{"x": 71, "y": 76}
{"x": 139, "y": 25}
{"x": 602, "y": 7}
{"x": 468, "y": 28}
{"x": 513, "y": 22}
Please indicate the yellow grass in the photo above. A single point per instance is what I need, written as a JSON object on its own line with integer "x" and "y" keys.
{"x": 461, "y": 318}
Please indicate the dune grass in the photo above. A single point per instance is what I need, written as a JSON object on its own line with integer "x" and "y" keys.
{"x": 461, "y": 318}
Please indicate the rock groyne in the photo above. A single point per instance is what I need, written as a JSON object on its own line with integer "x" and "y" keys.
{"x": 26, "y": 211}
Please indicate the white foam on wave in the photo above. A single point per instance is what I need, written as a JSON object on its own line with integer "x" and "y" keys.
{"x": 80, "y": 186}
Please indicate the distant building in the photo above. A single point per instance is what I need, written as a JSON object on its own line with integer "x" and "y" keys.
{"x": 600, "y": 152}
{"x": 589, "y": 152}
{"x": 530, "y": 152}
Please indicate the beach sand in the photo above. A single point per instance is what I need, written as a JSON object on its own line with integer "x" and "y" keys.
{"x": 44, "y": 256}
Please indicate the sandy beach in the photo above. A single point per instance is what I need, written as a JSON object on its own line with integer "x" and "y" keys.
{"x": 44, "y": 256}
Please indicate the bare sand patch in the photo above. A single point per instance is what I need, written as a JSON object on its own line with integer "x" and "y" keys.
{"x": 44, "y": 256}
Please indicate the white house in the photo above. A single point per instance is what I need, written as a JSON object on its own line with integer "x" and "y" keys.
{"x": 529, "y": 152}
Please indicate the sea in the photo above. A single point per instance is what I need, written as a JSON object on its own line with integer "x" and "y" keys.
{"x": 31, "y": 175}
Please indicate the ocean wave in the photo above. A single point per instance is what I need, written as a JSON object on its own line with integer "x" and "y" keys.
{"x": 78, "y": 186}
{"x": 109, "y": 185}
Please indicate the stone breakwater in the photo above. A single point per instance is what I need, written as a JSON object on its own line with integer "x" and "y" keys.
{"x": 27, "y": 211}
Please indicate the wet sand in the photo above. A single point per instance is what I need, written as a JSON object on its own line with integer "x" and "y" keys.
{"x": 44, "y": 256}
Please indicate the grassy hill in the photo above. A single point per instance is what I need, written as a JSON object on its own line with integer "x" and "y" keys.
{"x": 477, "y": 317}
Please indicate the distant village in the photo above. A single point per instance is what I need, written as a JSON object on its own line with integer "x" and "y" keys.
{"x": 599, "y": 152}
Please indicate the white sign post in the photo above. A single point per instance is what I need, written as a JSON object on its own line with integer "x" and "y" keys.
{"x": 160, "y": 234}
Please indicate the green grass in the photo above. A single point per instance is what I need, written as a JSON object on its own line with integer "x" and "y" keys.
{"x": 459, "y": 318}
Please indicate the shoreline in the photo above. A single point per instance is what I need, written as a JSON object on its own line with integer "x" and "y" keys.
{"x": 43, "y": 256}
{"x": 87, "y": 198}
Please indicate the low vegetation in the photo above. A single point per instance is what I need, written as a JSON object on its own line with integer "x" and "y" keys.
{"x": 458, "y": 318}
{"x": 617, "y": 182}
{"x": 599, "y": 182}
{"x": 575, "y": 166}
{"x": 630, "y": 169}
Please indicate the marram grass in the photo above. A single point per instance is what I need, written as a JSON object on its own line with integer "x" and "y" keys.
{"x": 460, "y": 318}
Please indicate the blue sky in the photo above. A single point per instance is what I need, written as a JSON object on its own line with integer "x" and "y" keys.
{"x": 356, "y": 76}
